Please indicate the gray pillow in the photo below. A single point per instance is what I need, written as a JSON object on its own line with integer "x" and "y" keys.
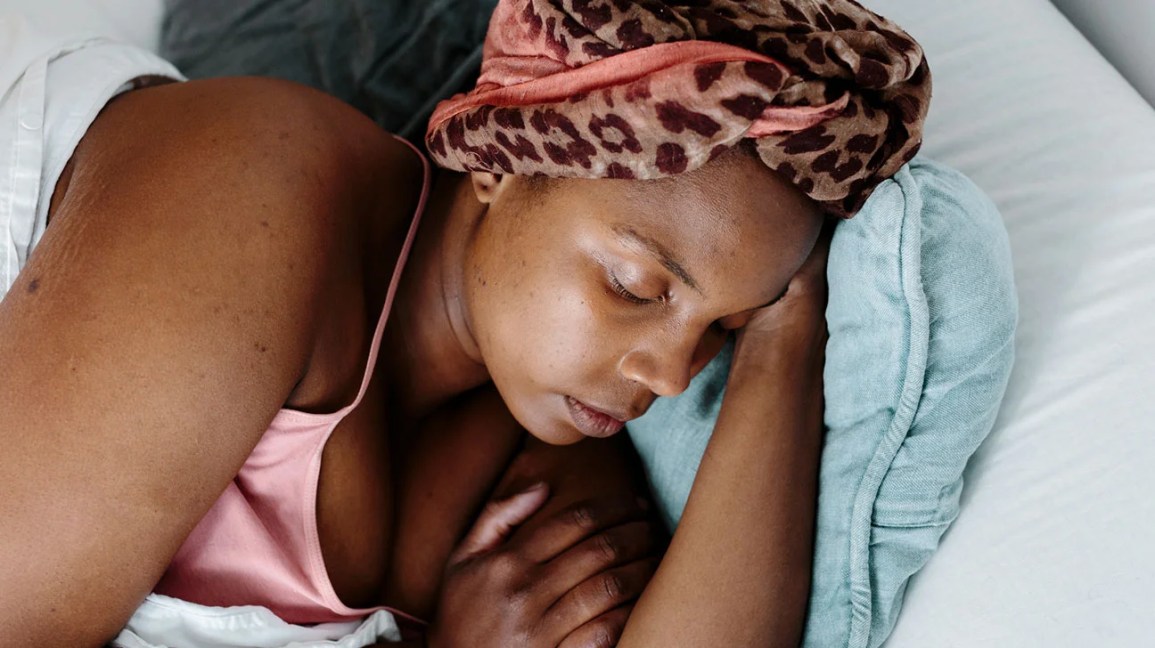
{"x": 391, "y": 59}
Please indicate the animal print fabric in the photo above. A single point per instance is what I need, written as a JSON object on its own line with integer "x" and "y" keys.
{"x": 834, "y": 95}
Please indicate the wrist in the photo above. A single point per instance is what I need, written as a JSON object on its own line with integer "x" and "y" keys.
{"x": 783, "y": 348}
{"x": 786, "y": 368}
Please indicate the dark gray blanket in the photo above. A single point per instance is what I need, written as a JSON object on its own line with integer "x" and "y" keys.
{"x": 392, "y": 59}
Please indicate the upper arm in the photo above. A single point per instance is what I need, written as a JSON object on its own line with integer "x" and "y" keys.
{"x": 161, "y": 323}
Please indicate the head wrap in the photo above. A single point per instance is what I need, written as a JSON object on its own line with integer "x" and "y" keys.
{"x": 833, "y": 95}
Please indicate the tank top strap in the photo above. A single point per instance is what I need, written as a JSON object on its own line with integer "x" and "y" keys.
{"x": 374, "y": 348}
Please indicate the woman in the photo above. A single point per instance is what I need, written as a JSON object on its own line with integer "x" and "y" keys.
{"x": 232, "y": 293}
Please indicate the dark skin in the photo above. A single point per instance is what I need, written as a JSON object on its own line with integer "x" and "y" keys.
{"x": 257, "y": 227}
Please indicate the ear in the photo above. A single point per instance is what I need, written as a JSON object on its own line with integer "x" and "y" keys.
{"x": 488, "y": 186}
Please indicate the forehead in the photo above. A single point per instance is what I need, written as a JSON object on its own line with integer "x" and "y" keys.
{"x": 733, "y": 206}
{"x": 732, "y": 196}
{"x": 735, "y": 225}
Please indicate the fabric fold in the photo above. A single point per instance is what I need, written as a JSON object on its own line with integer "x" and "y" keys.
{"x": 833, "y": 95}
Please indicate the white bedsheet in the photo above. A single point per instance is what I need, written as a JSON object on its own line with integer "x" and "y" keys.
{"x": 131, "y": 21}
{"x": 1053, "y": 545}
{"x": 163, "y": 622}
{"x": 1122, "y": 30}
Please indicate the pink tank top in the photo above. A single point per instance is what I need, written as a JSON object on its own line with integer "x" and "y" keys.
{"x": 258, "y": 545}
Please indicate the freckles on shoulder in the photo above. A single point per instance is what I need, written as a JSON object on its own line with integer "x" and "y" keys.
{"x": 255, "y": 129}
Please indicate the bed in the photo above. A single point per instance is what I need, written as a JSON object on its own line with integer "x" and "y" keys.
{"x": 1052, "y": 547}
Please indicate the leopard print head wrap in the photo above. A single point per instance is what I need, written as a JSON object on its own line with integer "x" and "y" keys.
{"x": 833, "y": 95}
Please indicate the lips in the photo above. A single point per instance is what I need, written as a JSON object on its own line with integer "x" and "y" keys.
{"x": 591, "y": 421}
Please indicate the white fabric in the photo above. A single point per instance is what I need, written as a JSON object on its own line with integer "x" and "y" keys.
{"x": 136, "y": 22}
{"x": 165, "y": 622}
{"x": 1122, "y": 30}
{"x": 49, "y": 96}
{"x": 1053, "y": 546}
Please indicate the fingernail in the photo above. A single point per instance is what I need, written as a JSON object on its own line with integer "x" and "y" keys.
{"x": 536, "y": 486}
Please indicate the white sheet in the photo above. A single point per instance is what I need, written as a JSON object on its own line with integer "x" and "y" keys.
{"x": 1053, "y": 546}
{"x": 1122, "y": 30}
{"x": 131, "y": 21}
{"x": 163, "y": 621}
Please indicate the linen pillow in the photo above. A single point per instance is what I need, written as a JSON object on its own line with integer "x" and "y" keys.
{"x": 922, "y": 314}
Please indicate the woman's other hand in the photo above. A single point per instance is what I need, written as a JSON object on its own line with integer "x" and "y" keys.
{"x": 798, "y": 319}
{"x": 569, "y": 583}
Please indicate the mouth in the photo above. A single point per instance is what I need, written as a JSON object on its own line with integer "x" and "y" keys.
{"x": 592, "y": 421}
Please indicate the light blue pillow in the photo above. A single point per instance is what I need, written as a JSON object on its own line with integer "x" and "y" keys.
{"x": 922, "y": 316}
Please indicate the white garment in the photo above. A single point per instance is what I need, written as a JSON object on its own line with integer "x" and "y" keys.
{"x": 164, "y": 622}
{"x": 51, "y": 90}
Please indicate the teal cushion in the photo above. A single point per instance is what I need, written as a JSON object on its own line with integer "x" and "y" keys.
{"x": 922, "y": 316}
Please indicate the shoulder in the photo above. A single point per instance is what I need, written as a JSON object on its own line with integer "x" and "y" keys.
{"x": 250, "y": 129}
{"x": 171, "y": 306}
{"x": 253, "y": 188}
{"x": 256, "y": 166}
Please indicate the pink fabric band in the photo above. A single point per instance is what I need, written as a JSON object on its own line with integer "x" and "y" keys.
{"x": 833, "y": 95}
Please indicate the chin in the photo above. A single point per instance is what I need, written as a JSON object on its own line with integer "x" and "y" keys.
{"x": 558, "y": 434}
{"x": 544, "y": 417}
{"x": 553, "y": 430}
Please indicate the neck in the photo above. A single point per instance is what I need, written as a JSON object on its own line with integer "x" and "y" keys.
{"x": 433, "y": 353}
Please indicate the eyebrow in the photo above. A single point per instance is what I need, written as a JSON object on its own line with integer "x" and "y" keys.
{"x": 660, "y": 252}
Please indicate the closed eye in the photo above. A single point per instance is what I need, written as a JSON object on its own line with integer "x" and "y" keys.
{"x": 626, "y": 294}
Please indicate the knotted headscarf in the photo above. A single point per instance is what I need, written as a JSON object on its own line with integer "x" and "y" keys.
{"x": 833, "y": 95}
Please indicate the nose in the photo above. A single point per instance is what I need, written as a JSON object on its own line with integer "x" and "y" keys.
{"x": 665, "y": 365}
{"x": 656, "y": 373}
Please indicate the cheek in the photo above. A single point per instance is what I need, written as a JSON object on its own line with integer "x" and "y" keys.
{"x": 540, "y": 340}
{"x": 537, "y": 324}
{"x": 546, "y": 328}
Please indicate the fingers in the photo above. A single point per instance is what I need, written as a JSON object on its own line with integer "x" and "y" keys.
{"x": 575, "y": 524}
{"x": 620, "y": 545}
{"x": 602, "y": 632}
{"x": 588, "y": 602}
{"x": 498, "y": 520}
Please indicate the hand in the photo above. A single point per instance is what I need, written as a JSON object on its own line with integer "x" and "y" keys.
{"x": 799, "y": 317}
{"x": 570, "y": 583}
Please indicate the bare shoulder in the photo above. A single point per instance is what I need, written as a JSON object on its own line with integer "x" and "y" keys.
{"x": 271, "y": 133}
{"x": 162, "y": 321}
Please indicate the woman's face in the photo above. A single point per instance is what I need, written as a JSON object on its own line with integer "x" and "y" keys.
{"x": 605, "y": 294}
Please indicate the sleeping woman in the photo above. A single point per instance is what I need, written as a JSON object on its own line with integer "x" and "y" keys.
{"x": 257, "y": 351}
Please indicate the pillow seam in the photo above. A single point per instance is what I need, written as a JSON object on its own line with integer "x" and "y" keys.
{"x": 918, "y": 344}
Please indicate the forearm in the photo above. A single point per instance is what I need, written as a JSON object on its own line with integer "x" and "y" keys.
{"x": 737, "y": 572}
